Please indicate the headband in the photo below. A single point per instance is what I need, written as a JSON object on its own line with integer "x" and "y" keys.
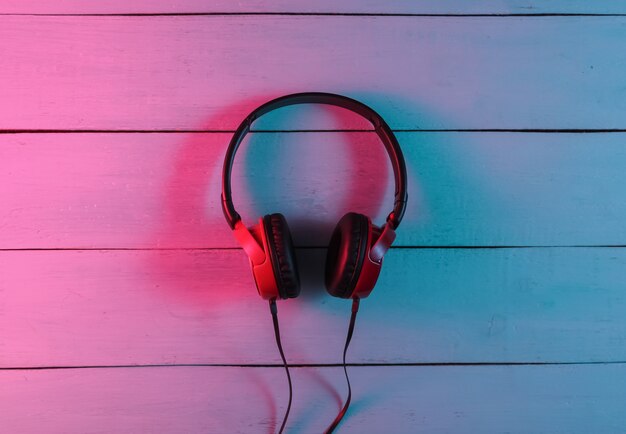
{"x": 380, "y": 127}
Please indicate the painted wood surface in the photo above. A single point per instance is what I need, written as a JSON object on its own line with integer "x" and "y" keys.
{"x": 497, "y": 399}
{"x": 208, "y": 72}
{"x": 76, "y": 308}
{"x": 115, "y": 259}
{"x": 318, "y": 6}
{"x": 162, "y": 190}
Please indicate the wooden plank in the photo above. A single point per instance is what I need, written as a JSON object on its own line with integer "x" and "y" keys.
{"x": 197, "y": 72}
{"x": 75, "y": 308}
{"x": 162, "y": 190}
{"x": 512, "y": 399}
{"x": 324, "y": 6}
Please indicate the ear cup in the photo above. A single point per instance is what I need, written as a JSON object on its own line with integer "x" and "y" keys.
{"x": 346, "y": 253}
{"x": 282, "y": 255}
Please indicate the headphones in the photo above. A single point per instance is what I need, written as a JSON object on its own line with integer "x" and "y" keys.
{"x": 357, "y": 246}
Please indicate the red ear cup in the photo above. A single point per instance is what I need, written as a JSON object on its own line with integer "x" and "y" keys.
{"x": 355, "y": 256}
{"x": 347, "y": 251}
{"x": 272, "y": 258}
{"x": 281, "y": 253}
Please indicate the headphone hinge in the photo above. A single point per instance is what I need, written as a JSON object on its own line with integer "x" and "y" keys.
{"x": 250, "y": 245}
{"x": 382, "y": 244}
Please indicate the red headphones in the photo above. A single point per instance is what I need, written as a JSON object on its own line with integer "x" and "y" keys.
{"x": 357, "y": 246}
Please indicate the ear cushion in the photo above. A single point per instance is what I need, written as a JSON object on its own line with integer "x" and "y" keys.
{"x": 346, "y": 252}
{"x": 282, "y": 255}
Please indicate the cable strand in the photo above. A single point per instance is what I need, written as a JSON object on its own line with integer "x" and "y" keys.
{"x": 342, "y": 413}
{"x": 274, "y": 311}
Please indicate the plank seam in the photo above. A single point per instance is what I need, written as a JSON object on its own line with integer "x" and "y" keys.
{"x": 321, "y": 14}
{"x": 399, "y": 130}
{"x": 314, "y": 365}
{"x": 196, "y": 249}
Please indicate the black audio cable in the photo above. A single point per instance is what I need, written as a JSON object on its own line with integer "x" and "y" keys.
{"x": 342, "y": 413}
{"x": 274, "y": 311}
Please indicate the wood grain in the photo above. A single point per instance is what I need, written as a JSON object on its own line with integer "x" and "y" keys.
{"x": 77, "y": 308}
{"x": 208, "y": 72}
{"x": 300, "y": 6}
{"x": 520, "y": 399}
{"x": 162, "y": 190}
{"x": 125, "y": 305}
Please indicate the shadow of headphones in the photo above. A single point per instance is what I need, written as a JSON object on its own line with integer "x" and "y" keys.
{"x": 357, "y": 246}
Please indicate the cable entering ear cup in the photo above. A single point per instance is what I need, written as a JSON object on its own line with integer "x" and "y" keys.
{"x": 346, "y": 253}
{"x": 282, "y": 255}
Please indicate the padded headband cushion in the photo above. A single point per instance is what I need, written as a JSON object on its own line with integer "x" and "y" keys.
{"x": 346, "y": 252}
{"x": 282, "y": 255}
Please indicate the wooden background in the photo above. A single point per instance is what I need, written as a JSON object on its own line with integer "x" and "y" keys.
{"x": 125, "y": 305}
